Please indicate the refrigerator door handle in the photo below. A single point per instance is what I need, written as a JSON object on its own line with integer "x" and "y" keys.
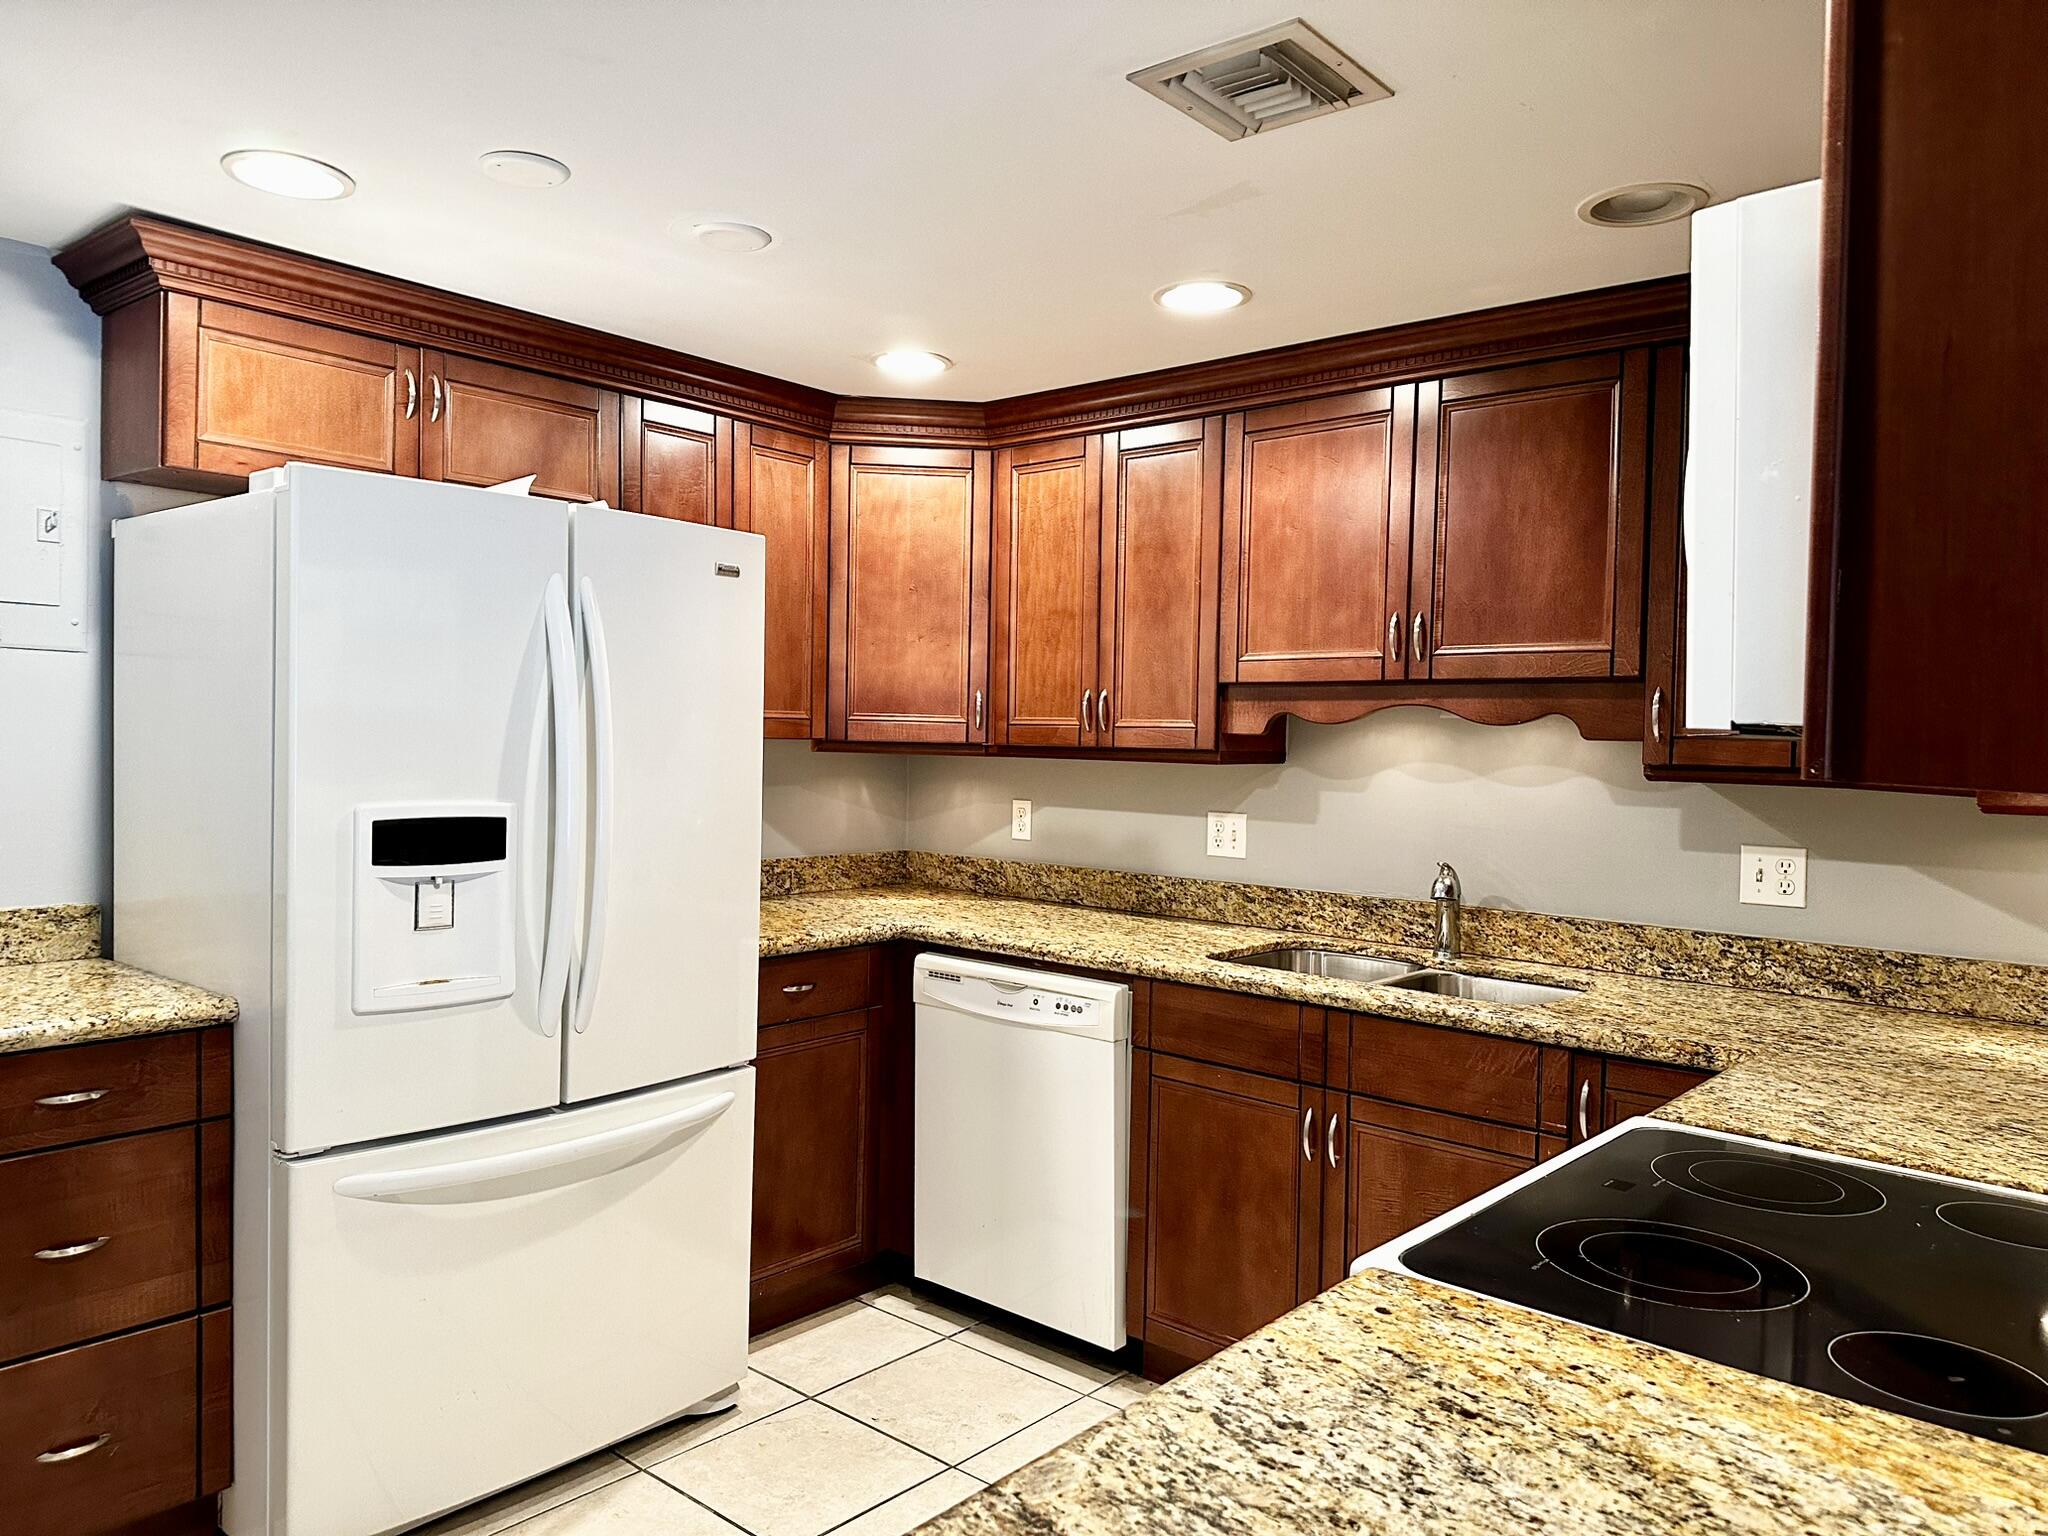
{"x": 601, "y": 800}
{"x": 567, "y": 807}
{"x": 480, "y": 1178}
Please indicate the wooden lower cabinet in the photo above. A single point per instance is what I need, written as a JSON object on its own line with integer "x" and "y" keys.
{"x": 1404, "y": 1166}
{"x": 1232, "y": 1207}
{"x": 1607, "y": 1090}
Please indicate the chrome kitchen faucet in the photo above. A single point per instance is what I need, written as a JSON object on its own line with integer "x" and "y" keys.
{"x": 1449, "y": 899}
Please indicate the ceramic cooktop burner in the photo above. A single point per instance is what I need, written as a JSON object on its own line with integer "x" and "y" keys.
{"x": 1918, "y": 1295}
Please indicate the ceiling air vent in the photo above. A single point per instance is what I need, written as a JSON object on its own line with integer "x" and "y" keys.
{"x": 1267, "y": 80}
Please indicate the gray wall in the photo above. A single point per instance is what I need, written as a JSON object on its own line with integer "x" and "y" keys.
{"x": 830, "y": 802}
{"x": 1534, "y": 817}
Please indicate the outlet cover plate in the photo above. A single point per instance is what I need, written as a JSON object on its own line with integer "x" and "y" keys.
{"x": 1773, "y": 877}
{"x": 1020, "y": 821}
{"x": 1227, "y": 835}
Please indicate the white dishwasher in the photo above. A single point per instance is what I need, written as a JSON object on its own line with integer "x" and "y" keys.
{"x": 1023, "y": 1141}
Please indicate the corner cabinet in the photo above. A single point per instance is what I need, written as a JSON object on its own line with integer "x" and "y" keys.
{"x": 908, "y": 596}
{"x": 1105, "y": 568}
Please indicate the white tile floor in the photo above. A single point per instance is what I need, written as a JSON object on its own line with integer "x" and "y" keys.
{"x": 865, "y": 1420}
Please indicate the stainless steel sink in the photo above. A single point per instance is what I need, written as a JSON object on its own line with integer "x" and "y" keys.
{"x": 1480, "y": 989}
{"x": 1342, "y": 964}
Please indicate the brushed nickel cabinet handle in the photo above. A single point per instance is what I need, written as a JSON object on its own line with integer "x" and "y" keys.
{"x": 1394, "y": 636}
{"x": 1585, "y": 1106}
{"x": 434, "y": 410}
{"x": 412, "y": 394}
{"x": 73, "y": 1250}
{"x": 1102, "y": 710}
{"x": 1657, "y": 714}
{"x": 1087, "y": 712}
{"x": 73, "y": 1452}
{"x": 67, "y": 1100}
{"x": 1420, "y": 648}
{"x": 1330, "y": 1141}
{"x": 799, "y": 988}
{"x": 977, "y": 709}
{"x": 1308, "y": 1135}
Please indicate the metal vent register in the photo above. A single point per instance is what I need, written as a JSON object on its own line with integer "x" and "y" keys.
{"x": 1284, "y": 74}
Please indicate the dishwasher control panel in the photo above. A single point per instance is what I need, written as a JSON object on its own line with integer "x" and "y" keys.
{"x": 1078, "y": 1005}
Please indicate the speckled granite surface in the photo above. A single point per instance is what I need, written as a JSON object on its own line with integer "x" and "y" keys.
{"x": 1985, "y": 989}
{"x": 1390, "y": 1405}
{"x": 832, "y": 872}
{"x": 70, "y": 1002}
{"x": 29, "y": 934}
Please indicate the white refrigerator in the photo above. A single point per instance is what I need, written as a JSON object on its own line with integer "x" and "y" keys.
{"x": 459, "y": 794}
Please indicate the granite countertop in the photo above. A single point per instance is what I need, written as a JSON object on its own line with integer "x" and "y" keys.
{"x": 71, "y": 1002}
{"x": 1853, "y": 1078}
{"x": 1391, "y": 1404}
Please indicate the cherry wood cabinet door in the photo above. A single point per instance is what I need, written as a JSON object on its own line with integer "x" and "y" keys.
{"x": 1315, "y": 551}
{"x": 1162, "y": 537}
{"x": 1607, "y": 1090}
{"x": 675, "y": 461}
{"x": 778, "y": 491}
{"x": 485, "y": 423}
{"x": 814, "y": 1146}
{"x": 1044, "y": 593}
{"x": 909, "y": 595}
{"x": 1404, "y": 1166}
{"x": 1232, "y": 1212}
{"x": 1530, "y": 506}
{"x": 245, "y": 391}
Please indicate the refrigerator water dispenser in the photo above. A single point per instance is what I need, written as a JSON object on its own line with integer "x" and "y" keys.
{"x": 433, "y": 905}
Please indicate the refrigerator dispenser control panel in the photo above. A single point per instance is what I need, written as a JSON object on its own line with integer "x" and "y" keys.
{"x": 433, "y": 905}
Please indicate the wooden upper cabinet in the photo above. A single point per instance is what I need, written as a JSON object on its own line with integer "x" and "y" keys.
{"x": 778, "y": 491}
{"x": 484, "y": 423}
{"x": 1163, "y": 503}
{"x": 1315, "y": 553}
{"x": 242, "y": 391}
{"x": 1529, "y": 520}
{"x": 675, "y": 461}
{"x": 908, "y": 595}
{"x": 1045, "y": 593}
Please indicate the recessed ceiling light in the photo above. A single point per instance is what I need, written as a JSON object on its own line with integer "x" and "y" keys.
{"x": 910, "y": 366}
{"x": 1201, "y": 298}
{"x": 1643, "y": 202}
{"x": 725, "y": 235}
{"x": 522, "y": 168}
{"x": 287, "y": 175}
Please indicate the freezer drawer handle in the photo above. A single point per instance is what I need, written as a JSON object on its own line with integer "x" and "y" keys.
{"x": 67, "y": 1100}
{"x": 73, "y": 1250}
{"x": 478, "y": 1178}
{"x": 73, "y": 1452}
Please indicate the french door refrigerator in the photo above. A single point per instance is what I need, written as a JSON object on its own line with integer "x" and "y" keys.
{"x": 459, "y": 794}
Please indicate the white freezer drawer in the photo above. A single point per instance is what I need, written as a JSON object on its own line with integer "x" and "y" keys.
{"x": 467, "y": 1311}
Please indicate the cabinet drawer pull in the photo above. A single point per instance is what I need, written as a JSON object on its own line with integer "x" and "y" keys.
{"x": 1657, "y": 715}
{"x": 73, "y": 1452}
{"x": 67, "y": 1100}
{"x": 1420, "y": 649}
{"x": 799, "y": 988}
{"x": 1102, "y": 710}
{"x": 1585, "y": 1105}
{"x": 1087, "y": 712}
{"x": 412, "y": 395}
{"x": 1308, "y": 1133}
{"x": 977, "y": 710}
{"x": 1330, "y": 1142}
{"x": 1394, "y": 636}
{"x": 434, "y": 410}
{"x": 73, "y": 1250}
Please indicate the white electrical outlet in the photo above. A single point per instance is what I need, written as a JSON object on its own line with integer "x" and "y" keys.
{"x": 1774, "y": 877}
{"x": 1226, "y": 834}
{"x": 1020, "y": 821}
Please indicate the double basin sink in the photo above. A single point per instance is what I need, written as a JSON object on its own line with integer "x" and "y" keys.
{"x": 1404, "y": 975}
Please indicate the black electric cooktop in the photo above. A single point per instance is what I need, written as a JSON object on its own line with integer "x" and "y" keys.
{"x": 1915, "y": 1294}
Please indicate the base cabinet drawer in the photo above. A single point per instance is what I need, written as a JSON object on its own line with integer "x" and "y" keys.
{"x": 813, "y": 986}
{"x": 98, "y": 1238}
{"x": 78, "y": 1092}
{"x": 96, "y": 1437}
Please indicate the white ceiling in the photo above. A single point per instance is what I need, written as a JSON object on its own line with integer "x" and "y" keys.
{"x": 965, "y": 175}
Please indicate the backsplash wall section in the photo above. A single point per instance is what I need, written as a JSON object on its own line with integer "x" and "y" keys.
{"x": 1535, "y": 818}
